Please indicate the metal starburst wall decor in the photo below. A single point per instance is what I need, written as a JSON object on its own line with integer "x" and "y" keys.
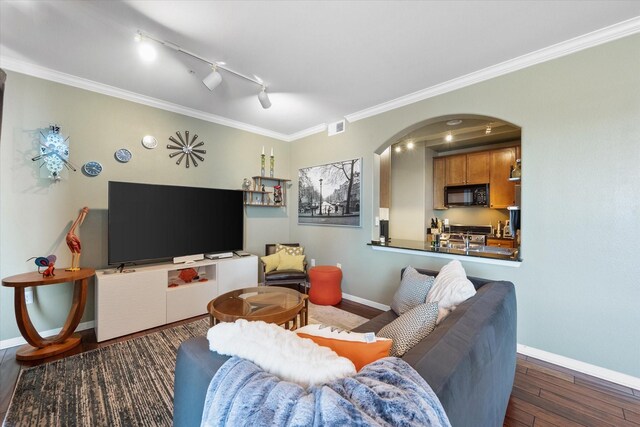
{"x": 186, "y": 148}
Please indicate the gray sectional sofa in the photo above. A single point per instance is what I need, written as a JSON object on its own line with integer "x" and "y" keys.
{"x": 469, "y": 360}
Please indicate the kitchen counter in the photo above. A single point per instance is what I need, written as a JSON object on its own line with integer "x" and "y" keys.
{"x": 484, "y": 252}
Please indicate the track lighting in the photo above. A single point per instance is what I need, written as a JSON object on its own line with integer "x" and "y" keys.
{"x": 487, "y": 131}
{"x": 449, "y": 137}
{"x": 147, "y": 52}
{"x": 264, "y": 98}
{"x": 410, "y": 145}
{"x": 214, "y": 78}
{"x": 398, "y": 149}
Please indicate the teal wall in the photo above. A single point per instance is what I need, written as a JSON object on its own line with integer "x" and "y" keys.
{"x": 37, "y": 213}
{"x": 577, "y": 289}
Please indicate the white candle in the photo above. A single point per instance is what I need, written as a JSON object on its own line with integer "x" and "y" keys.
{"x": 263, "y": 150}
{"x": 271, "y": 151}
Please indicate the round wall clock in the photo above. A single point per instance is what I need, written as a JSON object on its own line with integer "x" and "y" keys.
{"x": 54, "y": 153}
{"x": 149, "y": 142}
{"x": 92, "y": 168}
{"x": 186, "y": 148}
{"x": 123, "y": 155}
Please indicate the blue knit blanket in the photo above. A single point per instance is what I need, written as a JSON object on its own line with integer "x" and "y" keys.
{"x": 387, "y": 392}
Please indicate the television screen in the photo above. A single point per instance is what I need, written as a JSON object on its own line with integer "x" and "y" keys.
{"x": 158, "y": 222}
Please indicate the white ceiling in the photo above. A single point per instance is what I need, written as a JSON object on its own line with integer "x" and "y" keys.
{"x": 322, "y": 60}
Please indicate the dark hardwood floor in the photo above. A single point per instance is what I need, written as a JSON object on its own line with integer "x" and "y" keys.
{"x": 543, "y": 394}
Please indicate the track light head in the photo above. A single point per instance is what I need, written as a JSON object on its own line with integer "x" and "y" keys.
{"x": 213, "y": 79}
{"x": 146, "y": 50}
{"x": 264, "y": 98}
{"x": 449, "y": 137}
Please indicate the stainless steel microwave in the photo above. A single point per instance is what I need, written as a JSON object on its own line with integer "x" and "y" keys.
{"x": 466, "y": 195}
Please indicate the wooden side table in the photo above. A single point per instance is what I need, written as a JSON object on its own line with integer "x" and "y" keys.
{"x": 38, "y": 347}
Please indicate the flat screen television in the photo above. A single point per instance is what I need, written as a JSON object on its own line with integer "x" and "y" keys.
{"x": 150, "y": 222}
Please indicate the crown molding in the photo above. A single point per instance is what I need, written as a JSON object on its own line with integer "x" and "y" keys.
{"x": 576, "y": 44}
{"x": 33, "y": 70}
{"x": 307, "y": 132}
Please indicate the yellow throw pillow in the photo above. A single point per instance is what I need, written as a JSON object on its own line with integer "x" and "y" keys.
{"x": 290, "y": 262}
{"x": 271, "y": 262}
{"x": 291, "y": 250}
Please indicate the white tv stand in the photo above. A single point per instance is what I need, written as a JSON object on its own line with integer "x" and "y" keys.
{"x": 139, "y": 300}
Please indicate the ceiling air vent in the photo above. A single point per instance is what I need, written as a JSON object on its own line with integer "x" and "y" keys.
{"x": 336, "y": 127}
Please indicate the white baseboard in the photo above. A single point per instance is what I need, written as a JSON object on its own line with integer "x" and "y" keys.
{"x": 585, "y": 368}
{"x": 366, "y": 302}
{"x": 12, "y": 342}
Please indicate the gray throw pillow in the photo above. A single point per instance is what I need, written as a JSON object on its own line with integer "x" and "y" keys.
{"x": 413, "y": 290}
{"x": 410, "y": 328}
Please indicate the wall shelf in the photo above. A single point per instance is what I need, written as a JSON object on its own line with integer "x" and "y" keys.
{"x": 259, "y": 198}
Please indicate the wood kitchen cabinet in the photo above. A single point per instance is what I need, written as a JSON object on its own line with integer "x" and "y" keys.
{"x": 439, "y": 179}
{"x": 472, "y": 168}
{"x": 502, "y": 192}
{"x": 492, "y": 166}
{"x": 502, "y": 243}
{"x": 478, "y": 167}
{"x": 456, "y": 169}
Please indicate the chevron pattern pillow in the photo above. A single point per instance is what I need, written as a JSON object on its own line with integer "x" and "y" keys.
{"x": 413, "y": 290}
{"x": 410, "y": 328}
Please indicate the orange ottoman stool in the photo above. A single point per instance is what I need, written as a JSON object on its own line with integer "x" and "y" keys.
{"x": 325, "y": 285}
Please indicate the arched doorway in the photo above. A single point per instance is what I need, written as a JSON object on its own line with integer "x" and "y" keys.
{"x": 440, "y": 168}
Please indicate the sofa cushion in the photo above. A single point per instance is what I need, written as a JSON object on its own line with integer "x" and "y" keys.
{"x": 450, "y": 288}
{"x": 360, "y": 348}
{"x": 285, "y": 275}
{"x": 413, "y": 290}
{"x": 410, "y": 328}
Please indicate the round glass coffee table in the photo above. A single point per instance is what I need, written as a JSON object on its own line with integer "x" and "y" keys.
{"x": 270, "y": 304}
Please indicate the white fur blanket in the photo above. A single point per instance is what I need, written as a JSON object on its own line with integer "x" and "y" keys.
{"x": 280, "y": 352}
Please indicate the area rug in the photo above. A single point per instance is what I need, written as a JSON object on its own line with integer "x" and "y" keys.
{"x": 129, "y": 383}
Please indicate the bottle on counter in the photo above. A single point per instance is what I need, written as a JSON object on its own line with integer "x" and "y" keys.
{"x": 517, "y": 170}
{"x": 499, "y": 229}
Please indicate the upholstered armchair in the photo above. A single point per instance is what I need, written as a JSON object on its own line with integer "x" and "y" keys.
{"x": 284, "y": 277}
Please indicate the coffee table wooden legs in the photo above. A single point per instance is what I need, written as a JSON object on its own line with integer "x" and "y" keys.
{"x": 38, "y": 347}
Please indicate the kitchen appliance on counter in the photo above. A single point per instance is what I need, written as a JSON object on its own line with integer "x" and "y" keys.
{"x": 477, "y": 235}
{"x": 466, "y": 195}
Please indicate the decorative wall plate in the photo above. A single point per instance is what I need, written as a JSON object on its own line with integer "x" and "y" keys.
{"x": 186, "y": 148}
{"x": 149, "y": 142}
{"x": 92, "y": 168}
{"x": 54, "y": 153}
{"x": 123, "y": 155}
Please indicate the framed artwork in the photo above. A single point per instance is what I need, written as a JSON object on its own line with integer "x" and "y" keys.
{"x": 330, "y": 194}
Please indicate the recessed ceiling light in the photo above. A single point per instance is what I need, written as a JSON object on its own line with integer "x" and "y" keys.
{"x": 449, "y": 137}
{"x": 410, "y": 145}
{"x": 454, "y": 122}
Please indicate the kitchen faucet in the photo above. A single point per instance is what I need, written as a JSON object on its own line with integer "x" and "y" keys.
{"x": 466, "y": 238}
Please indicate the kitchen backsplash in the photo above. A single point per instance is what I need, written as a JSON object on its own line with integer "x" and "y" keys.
{"x": 471, "y": 216}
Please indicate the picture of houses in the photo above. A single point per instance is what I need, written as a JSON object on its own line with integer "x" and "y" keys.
{"x": 330, "y": 194}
